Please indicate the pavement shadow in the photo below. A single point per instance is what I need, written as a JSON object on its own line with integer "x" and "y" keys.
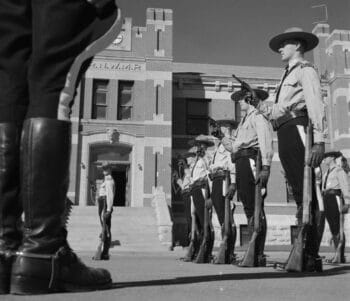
{"x": 236, "y": 276}
{"x": 115, "y": 243}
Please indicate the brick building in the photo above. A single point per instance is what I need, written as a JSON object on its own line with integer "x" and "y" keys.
{"x": 137, "y": 109}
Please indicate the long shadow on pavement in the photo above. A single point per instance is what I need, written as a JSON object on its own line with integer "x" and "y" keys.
{"x": 236, "y": 276}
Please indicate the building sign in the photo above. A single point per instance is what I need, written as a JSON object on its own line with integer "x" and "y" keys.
{"x": 117, "y": 66}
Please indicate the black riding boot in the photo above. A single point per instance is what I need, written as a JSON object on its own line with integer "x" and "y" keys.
{"x": 10, "y": 205}
{"x": 45, "y": 263}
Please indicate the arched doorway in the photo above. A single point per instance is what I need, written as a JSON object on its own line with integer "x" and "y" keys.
{"x": 119, "y": 157}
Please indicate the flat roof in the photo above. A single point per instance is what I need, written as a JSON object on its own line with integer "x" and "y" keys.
{"x": 228, "y": 70}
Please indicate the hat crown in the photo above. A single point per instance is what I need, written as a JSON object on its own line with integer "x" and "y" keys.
{"x": 293, "y": 29}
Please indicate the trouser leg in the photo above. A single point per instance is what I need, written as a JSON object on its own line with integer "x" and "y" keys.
{"x": 291, "y": 151}
{"x": 61, "y": 31}
{"x": 15, "y": 50}
{"x": 246, "y": 187}
{"x": 218, "y": 199}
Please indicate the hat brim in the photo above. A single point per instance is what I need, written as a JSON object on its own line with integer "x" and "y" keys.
{"x": 310, "y": 40}
{"x": 188, "y": 155}
{"x": 334, "y": 154}
{"x": 261, "y": 94}
{"x": 227, "y": 123}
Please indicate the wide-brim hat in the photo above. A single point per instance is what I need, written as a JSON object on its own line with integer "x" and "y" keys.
{"x": 227, "y": 123}
{"x": 238, "y": 95}
{"x": 334, "y": 154}
{"x": 207, "y": 140}
{"x": 309, "y": 40}
{"x": 190, "y": 153}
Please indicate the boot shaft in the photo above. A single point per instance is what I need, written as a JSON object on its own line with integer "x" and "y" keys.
{"x": 10, "y": 205}
{"x": 45, "y": 154}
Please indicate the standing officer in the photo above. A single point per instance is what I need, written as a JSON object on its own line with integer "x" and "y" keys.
{"x": 201, "y": 201}
{"x": 105, "y": 208}
{"x": 298, "y": 99}
{"x": 223, "y": 182}
{"x": 45, "y": 47}
{"x": 336, "y": 198}
{"x": 188, "y": 160}
{"x": 254, "y": 133}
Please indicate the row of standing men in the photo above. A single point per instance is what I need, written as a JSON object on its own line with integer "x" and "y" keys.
{"x": 241, "y": 162}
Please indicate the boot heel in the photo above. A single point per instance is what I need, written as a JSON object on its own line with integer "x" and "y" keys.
{"x": 21, "y": 285}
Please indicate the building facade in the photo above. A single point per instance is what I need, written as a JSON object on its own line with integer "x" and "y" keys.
{"x": 137, "y": 110}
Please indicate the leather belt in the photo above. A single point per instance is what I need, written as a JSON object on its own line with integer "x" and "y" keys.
{"x": 200, "y": 183}
{"x": 332, "y": 192}
{"x": 277, "y": 123}
{"x": 186, "y": 190}
{"x": 245, "y": 152}
{"x": 218, "y": 173}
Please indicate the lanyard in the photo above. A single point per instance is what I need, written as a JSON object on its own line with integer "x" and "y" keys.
{"x": 287, "y": 72}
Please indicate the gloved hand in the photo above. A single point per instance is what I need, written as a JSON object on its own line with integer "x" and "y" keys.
{"x": 227, "y": 143}
{"x": 231, "y": 191}
{"x": 316, "y": 156}
{"x": 345, "y": 208}
{"x": 208, "y": 203}
{"x": 264, "y": 175}
{"x": 107, "y": 215}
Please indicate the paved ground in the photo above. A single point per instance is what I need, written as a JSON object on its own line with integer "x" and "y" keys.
{"x": 144, "y": 269}
{"x": 162, "y": 276}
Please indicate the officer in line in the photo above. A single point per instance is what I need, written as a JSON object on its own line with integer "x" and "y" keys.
{"x": 187, "y": 160}
{"x": 223, "y": 179}
{"x": 297, "y": 100}
{"x": 105, "y": 208}
{"x": 201, "y": 201}
{"x": 254, "y": 133}
{"x": 336, "y": 197}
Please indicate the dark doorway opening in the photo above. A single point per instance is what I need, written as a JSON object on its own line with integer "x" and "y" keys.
{"x": 119, "y": 178}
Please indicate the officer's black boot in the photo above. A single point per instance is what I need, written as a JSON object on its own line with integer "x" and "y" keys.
{"x": 45, "y": 263}
{"x": 10, "y": 205}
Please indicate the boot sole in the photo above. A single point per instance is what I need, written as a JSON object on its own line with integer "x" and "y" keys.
{"x": 21, "y": 285}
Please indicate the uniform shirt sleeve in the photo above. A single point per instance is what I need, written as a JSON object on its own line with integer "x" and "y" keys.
{"x": 109, "y": 193}
{"x": 227, "y": 144}
{"x": 313, "y": 97}
{"x": 264, "y": 133}
{"x": 344, "y": 184}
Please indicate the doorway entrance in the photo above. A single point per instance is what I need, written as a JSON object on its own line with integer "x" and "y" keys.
{"x": 117, "y": 156}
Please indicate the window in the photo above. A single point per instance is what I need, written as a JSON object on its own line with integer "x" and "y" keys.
{"x": 99, "y": 101}
{"x": 197, "y": 116}
{"x": 125, "y": 100}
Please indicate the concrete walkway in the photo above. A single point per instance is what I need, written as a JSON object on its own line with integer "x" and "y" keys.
{"x": 133, "y": 230}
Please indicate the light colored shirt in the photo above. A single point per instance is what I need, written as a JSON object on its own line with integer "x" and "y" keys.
{"x": 199, "y": 169}
{"x": 301, "y": 90}
{"x": 187, "y": 180}
{"x": 222, "y": 160}
{"x": 107, "y": 189}
{"x": 254, "y": 131}
{"x": 336, "y": 178}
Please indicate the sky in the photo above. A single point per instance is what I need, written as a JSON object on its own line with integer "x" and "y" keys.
{"x": 237, "y": 32}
